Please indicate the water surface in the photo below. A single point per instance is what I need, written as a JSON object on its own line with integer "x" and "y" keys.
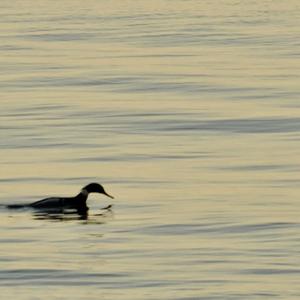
{"x": 187, "y": 112}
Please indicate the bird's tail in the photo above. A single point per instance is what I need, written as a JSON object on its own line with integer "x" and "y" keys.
{"x": 15, "y": 206}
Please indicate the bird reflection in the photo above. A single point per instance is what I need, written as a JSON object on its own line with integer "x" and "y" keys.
{"x": 60, "y": 214}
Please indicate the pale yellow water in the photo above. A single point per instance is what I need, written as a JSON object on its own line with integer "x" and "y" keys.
{"x": 187, "y": 112}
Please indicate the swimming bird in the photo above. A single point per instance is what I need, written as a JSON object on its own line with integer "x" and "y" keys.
{"x": 78, "y": 202}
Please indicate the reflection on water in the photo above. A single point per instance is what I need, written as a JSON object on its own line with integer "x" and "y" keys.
{"x": 71, "y": 215}
{"x": 189, "y": 111}
{"x": 62, "y": 214}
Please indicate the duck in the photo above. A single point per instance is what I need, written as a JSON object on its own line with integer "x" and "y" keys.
{"x": 78, "y": 202}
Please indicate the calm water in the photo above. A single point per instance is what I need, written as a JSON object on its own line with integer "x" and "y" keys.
{"x": 187, "y": 112}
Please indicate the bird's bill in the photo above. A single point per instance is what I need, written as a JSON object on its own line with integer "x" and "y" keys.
{"x": 110, "y": 196}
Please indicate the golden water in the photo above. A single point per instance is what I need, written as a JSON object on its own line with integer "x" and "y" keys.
{"x": 187, "y": 112}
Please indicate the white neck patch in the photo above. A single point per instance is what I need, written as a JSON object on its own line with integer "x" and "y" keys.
{"x": 84, "y": 192}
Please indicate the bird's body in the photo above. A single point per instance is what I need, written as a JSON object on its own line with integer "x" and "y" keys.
{"x": 78, "y": 202}
{"x": 67, "y": 202}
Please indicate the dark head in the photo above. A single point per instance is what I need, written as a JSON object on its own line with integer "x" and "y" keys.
{"x": 95, "y": 188}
